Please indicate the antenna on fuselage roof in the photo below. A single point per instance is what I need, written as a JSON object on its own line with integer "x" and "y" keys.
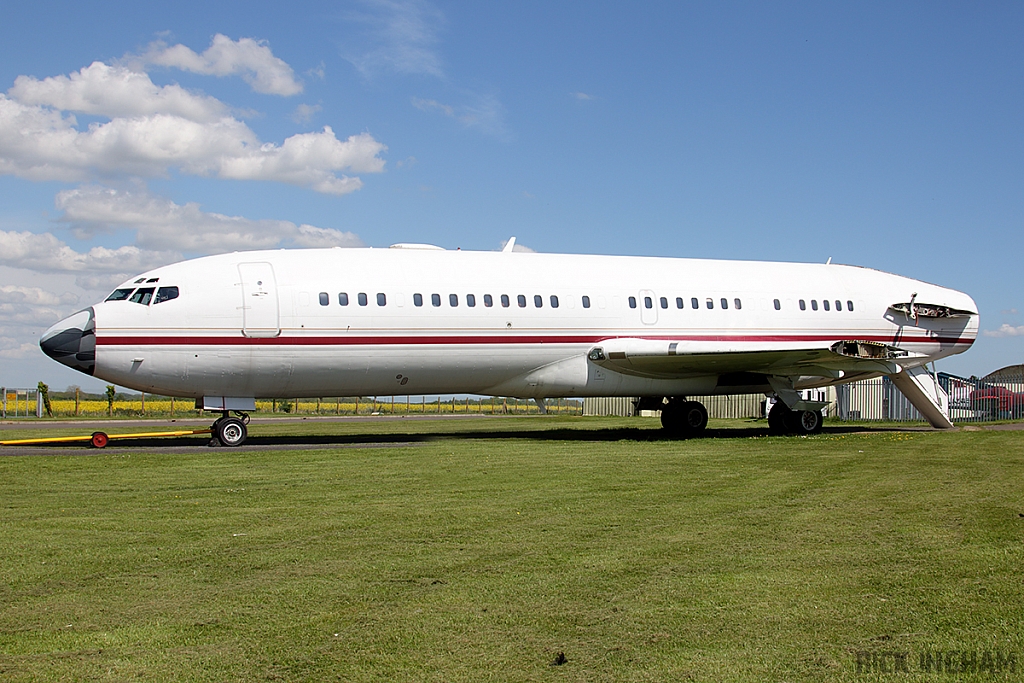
{"x": 508, "y": 245}
{"x": 829, "y": 261}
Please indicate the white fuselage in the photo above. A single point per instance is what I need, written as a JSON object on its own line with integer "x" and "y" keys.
{"x": 270, "y": 323}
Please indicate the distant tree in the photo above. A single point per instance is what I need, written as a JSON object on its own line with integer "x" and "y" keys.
{"x": 111, "y": 394}
{"x": 45, "y": 391}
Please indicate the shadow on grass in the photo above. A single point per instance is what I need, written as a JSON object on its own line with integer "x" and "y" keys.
{"x": 405, "y": 438}
{"x": 553, "y": 434}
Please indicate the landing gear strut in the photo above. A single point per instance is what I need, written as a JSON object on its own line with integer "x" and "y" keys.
{"x": 684, "y": 418}
{"x": 782, "y": 420}
{"x": 231, "y": 431}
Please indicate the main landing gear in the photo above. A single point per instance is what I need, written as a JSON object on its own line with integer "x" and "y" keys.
{"x": 231, "y": 431}
{"x": 782, "y": 420}
{"x": 684, "y": 418}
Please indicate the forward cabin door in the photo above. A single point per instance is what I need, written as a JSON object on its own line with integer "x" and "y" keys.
{"x": 260, "y": 314}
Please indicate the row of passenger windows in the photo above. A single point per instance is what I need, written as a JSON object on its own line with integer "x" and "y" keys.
{"x": 453, "y": 300}
{"x": 538, "y": 301}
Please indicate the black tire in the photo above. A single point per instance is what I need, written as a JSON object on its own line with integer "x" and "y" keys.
{"x": 694, "y": 417}
{"x": 805, "y": 422}
{"x": 669, "y": 415}
{"x": 230, "y": 431}
{"x": 778, "y": 417}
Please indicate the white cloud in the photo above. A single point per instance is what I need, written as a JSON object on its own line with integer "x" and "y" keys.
{"x": 1006, "y": 330}
{"x": 486, "y": 114}
{"x": 39, "y": 143}
{"x": 404, "y": 34}
{"x": 304, "y": 112}
{"x": 44, "y": 253}
{"x": 433, "y": 105}
{"x": 16, "y": 294}
{"x": 162, "y": 225}
{"x": 249, "y": 58}
{"x": 115, "y": 91}
{"x": 582, "y": 96}
{"x": 15, "y": 349}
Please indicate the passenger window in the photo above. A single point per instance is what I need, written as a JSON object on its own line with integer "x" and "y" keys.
{"x": 814, "y": 304}
{"x": 381, "y": 299}
{"x": 324, "y": 299}
{"x": 586, "y": 301}
{"x": 632, "y": 302}
{"x": 120, "y": 294}
{"x": 471, "y": 300}
{"x": 778, "y": 305}
{"x": 504, "y": 300}
{"x": 142, "y": 296}
{"x": 725, "y": 303}
{"x": 839, "y": 305}
{"x": 710, "y": 302}
{"x": 554, "y": 301}
{"x": 664, "y": 302}
{"x": 694, "y": 303}
{"x": 521, "y": 300}
{"x": 825, "y": 304}
{"x": 362, "y": 298}
{"x": 737, "y": 303}
{"x": 538, "y": 300}
{"x": 453, "y": 300}
{"x": 679, "y": 302}
{"x": 343, "y": 298}
{"x": 435, "y": 300}
{"x": 849, "y": 305}
{"x": 803, "y": 306}
{"x": 488, "y": 300}
{"x": 417, "y": 299}
{"x": 166, "y": 294}
{"x": 648, "y": 302}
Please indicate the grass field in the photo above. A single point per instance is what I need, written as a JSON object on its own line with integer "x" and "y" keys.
{"x": 480, "y": 549}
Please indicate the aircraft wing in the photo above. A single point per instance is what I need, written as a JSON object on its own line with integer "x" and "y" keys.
{"x": 666, "y": 359}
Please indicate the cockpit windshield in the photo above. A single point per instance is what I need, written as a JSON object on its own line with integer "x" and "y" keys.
{"x": 120, "y": 294}
{"x": 142, "y": 296}
{"x": 166, "y": 294}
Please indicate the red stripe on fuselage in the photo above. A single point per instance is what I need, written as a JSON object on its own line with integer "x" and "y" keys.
{"x": 494, "y": 339}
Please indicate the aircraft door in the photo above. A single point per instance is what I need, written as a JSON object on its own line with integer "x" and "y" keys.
{"x": 648, "y": 304}
{"x": 260, "y": 314}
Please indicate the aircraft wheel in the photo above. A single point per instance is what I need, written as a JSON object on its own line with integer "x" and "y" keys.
{"x": 778, "y": 418}
{"x": 805, "y": 422}
{"x": 694, "y": 417}
{"x": 230, "y": 431}
{"x": 670, "y": 417}
{"x": 686, "y": 418}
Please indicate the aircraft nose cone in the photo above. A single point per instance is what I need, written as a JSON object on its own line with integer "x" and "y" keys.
{"x": 72, "y": 341}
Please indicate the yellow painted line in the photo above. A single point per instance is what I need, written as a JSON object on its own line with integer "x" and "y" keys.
{"x": 68, "y": 439}
{"x": 55, "y": 439}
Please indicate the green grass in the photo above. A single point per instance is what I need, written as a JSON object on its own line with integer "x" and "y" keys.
{"x": 478, "y": 549}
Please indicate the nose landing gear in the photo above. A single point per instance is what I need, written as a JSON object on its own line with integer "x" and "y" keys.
{"x": 231, "y": 431}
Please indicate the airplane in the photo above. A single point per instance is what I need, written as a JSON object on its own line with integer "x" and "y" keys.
{"x": 417, "y": 319}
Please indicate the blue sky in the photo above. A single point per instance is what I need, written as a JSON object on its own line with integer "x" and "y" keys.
{"x": 886, "y": 135}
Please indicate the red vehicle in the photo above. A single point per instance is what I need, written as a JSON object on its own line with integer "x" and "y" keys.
{"x": 998, "y": 402}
